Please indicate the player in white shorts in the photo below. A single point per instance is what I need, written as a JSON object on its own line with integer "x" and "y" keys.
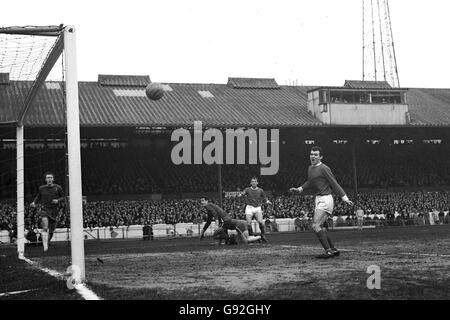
{"x": 322, "y": 182}
{"x": 360, "y": 217}
{"x": 255, "y": 197}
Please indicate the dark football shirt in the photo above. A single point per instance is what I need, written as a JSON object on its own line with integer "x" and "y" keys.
{"x": 321, "y": 181}
{"x": 48, "y": 193}
{"x": 255, "y": 197}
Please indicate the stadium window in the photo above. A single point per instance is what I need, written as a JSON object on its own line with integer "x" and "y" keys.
{"x": 9, "y": 146}
{"x": 373, "y": 141}
{"x": 336, "y": 97}
{"x": 324, "y": 96}
{"x": 395, "y": 98}
{"x": 340, "y": 141}
{"x": 376, "y": 97}
{"x": 433, "y": 141}
{"x": 348, "y": 97}
{"x": 384, "y": 98}
{"x": 403, "y": 97}
{"x": 363, "y": 97}
{"x": 403, "y": 141}
{"x": 309, "y": 142}
{"x": 56, "y": 145}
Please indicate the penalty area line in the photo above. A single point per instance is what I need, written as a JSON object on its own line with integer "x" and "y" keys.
{"x": 82, "y": 289}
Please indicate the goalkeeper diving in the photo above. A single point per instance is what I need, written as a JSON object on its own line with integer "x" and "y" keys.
{"x": 225, "y": 223}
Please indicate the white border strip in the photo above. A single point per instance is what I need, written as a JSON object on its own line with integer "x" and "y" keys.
{"x": 81, "y": 288}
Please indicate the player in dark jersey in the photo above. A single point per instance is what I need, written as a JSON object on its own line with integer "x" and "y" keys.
{"x": 49, "y": 196}
{"x": 224, "y": 221}
{"x": 254, "y": 197}
{"x": 322, "y": 182}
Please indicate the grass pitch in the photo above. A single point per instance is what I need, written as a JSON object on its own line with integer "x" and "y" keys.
{"x": 414, "y": 264}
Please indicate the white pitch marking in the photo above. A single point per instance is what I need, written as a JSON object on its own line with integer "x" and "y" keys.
{"x": 384, "y": 253}
{"x": 15, "y": 292}
{"x": 399, "y": 253}
{"x": 81, "y": 288}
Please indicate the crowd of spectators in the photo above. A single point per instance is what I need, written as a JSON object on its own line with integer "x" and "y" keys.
{"x": 144, "y": 170}
{"x": 390, "y": 207}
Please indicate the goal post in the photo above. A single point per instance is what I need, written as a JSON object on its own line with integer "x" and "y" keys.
{"x": 73, "y": 150}
{"x": 23, "y": 60}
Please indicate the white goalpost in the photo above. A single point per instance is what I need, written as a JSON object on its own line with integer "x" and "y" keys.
{"x": 20, "y": 59}
{"x": 73, "y": 150}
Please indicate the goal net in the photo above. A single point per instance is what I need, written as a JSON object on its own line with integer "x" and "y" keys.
{"x": 39, "y": 126}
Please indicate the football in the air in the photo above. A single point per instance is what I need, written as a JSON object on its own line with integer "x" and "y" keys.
{"x": 154, "y": 91}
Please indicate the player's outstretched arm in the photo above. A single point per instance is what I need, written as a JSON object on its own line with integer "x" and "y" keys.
{"x": 266, "y": 199}
{"x": 347, "y": 200}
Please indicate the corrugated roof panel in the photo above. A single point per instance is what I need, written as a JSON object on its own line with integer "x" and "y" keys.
{"x": 4, "y": 78}
{"x": 205, "y": 94}
{"x": 100, "y": 106}
{"x": 429, "y": 106}
{"x": 166, "y": 87}
{"x": 123, "y": 80}
{"x": 252, "y": 83}
{"x": 359, "y": 84}
{"x": 129, "y": 93}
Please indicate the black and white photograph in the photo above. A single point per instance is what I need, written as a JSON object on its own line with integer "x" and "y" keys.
{"x": 226, "y": 155}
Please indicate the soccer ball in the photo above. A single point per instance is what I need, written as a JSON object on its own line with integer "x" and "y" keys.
{"x": 154, "y": 91}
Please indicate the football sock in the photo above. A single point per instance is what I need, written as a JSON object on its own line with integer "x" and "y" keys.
{"x": 250, "y": 230}
{"x": 262, "y": 228}
{"x": 329, "y": 241}
{"x": 45, "y": 240}
{"x": 253, "y": 238}
{"x": 323, "y": 239}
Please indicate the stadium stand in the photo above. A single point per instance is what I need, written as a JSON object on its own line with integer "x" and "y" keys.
{"x": 393, "y": 208}
{"x": 115, "y": 108}
{"x": 111, "y": 171}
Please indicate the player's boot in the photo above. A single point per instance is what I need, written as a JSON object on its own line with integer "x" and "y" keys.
{"x": 327, "y": 255}
{"x": 335, "y": 252}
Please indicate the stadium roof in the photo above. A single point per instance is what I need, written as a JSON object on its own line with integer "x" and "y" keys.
{"x": 120, "y": 101}
{"x": 357, "y": 84}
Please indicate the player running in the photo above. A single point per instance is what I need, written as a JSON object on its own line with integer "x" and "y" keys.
{"x": 49, "y": 196}
{"x": 255, "y": 197}
{"x": 226, "y": 223}
{"x": 321, "y": 181}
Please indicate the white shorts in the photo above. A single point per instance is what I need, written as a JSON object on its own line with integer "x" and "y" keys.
{"x": 325, "y": 203}
{"x": 251, "y": 211}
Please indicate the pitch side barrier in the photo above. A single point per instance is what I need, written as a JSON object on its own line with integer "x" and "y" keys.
{"x": 194, "y": 229}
